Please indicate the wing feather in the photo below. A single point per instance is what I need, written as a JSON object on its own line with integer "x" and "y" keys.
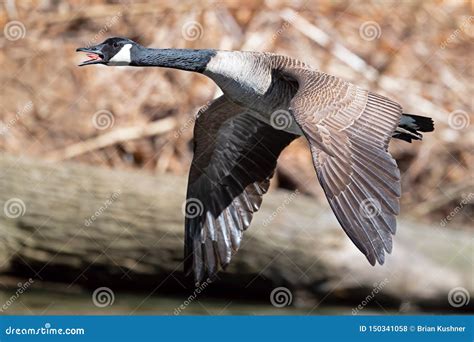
{"x": 348, "y": 129}
{"x": 235, "y": 157}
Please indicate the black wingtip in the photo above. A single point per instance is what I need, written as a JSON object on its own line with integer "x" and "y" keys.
{"x": 371, "y": 259}
{"x": 381, "y": 259}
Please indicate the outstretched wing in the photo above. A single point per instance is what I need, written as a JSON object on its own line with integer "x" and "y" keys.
{"x": 234, "y": 158}
{"x": 348, "y": 129}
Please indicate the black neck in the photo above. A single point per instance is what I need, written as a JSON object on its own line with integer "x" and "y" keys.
{"x": 183, "y": 59}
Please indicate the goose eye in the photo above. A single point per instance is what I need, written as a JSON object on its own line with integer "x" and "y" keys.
{"x": 115, "y": 45}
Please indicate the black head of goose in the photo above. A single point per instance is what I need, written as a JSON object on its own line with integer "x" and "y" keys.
{"x": 269, "y": 100}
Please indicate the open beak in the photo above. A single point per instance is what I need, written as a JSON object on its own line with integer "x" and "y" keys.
{"x": 94, "y": 54}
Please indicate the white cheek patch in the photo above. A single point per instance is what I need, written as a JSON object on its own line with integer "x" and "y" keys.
{"x": 122, "y": 57}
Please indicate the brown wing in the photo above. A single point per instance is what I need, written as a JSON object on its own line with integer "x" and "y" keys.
{"x": 234, "y": 158}
{"x": 348, "y": 129}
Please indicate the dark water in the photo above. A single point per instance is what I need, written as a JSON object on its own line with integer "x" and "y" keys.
{"x": 55, "y": 303}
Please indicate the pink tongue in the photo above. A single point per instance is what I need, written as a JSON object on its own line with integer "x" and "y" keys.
{"x": 93, "y": 56}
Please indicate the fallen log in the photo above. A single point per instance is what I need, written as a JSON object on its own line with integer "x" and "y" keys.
{"x": 85, "y": 226}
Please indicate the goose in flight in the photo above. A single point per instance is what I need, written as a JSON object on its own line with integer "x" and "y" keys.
{"x": 268, "y": 101}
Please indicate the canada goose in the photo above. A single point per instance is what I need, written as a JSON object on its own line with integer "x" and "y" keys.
{"x": 237, "y": 141}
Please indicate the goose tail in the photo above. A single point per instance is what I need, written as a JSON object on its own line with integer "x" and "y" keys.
{"x": 410, "y": 127}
